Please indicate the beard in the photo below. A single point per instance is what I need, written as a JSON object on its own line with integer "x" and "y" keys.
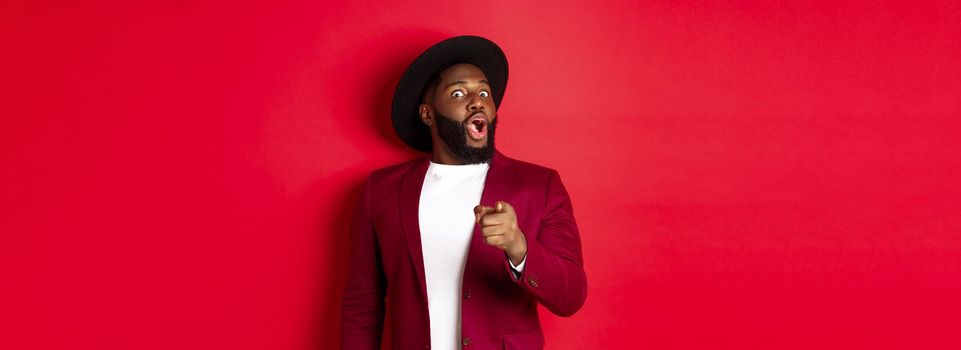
{"x": 454, "y": 135}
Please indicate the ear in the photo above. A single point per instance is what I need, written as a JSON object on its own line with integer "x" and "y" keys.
{"x": 426, "y": 114}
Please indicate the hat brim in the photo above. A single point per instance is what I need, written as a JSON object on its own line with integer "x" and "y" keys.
{"x": 475, "y": 50}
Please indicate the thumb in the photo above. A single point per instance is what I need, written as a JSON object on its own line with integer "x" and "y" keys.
{"x": 504, "y": 207}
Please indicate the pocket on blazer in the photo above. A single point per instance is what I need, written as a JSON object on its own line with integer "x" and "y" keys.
{"x": 532, "y": 340}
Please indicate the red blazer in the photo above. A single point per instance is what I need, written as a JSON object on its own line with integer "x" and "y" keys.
{"x": 498, "y": 312}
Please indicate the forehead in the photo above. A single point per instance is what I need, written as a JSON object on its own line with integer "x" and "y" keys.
{"x": 462, "y": 72}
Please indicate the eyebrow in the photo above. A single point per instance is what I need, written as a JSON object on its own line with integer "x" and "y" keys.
{"x": 464, "y": 82}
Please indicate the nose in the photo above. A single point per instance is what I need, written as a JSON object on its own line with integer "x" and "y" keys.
{"x": 475, "y": 103}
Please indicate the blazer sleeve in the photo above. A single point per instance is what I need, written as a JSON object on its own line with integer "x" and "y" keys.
{"x": 554, "y": 267}
{"x": 363, "y": 306}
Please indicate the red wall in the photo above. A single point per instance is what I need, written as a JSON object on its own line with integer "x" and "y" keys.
{"x": 749, "y": 176}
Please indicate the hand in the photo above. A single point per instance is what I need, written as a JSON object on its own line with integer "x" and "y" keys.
{"x": 499, "y": 227}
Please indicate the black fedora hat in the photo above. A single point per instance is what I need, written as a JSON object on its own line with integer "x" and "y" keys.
{"x": 475, "y": 50}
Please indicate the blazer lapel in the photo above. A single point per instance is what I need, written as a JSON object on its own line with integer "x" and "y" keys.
{"x": 409, "y": 211}
{"x": 497, "y": 182}
{"x": 496, "y": 187}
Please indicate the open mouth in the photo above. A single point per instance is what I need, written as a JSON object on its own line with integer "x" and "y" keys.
{"x": 477, "y": 127}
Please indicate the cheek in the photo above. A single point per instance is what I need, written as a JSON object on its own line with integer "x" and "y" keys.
{"x": 449, "y": 109}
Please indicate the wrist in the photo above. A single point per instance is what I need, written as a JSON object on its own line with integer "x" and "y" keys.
{"x": 518, "y": 252}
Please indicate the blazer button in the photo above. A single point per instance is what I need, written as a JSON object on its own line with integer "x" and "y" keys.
{"x": 466, "y": 341}
{"x": 466, "y": 295}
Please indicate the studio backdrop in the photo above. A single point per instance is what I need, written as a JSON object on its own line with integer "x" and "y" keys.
{"x": 745, "y": 175}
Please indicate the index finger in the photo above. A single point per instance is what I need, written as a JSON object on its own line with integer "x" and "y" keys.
{"x": 480, "y": 211}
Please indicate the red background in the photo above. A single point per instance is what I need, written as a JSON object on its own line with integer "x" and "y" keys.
{"x": 744, "y": 175}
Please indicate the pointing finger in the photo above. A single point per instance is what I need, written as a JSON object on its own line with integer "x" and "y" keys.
{"x": 480, "y": 211}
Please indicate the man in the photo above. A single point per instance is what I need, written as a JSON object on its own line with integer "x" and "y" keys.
{"x": 462, "y": 243}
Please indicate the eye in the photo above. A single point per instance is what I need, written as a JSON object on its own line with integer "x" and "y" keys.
{"x": 484, "y": 94}
{"x": 457, "y": 93}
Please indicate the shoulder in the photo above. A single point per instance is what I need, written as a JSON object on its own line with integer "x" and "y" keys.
{"x": 528, "y": 170}
{"x": 393, "y": 174}
{"x": 524, "y": 166}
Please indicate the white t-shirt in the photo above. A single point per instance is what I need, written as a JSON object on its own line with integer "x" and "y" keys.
{"x": 446, "y": 215}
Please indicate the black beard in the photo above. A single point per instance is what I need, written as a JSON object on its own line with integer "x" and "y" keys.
{"x": 454, "y": 135}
